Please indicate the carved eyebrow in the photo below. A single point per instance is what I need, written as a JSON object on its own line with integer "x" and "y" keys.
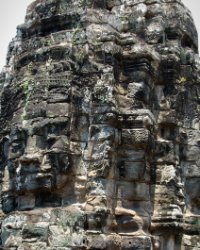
{"x": 172, "y": 34}
{"x": 186, "y": 41}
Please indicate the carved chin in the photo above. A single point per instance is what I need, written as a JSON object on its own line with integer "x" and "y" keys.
{"x": 34, "y": 182}
{"x": 41, "y": 181}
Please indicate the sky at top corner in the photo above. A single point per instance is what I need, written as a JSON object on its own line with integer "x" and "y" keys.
{"x": 12, "y": 13}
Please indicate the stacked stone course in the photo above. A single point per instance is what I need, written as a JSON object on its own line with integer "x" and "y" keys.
{"x": 100, "y": 129}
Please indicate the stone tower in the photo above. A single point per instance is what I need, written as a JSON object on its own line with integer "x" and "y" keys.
{"x": 100, "y": 128}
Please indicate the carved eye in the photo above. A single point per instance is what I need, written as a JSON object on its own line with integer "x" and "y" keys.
{"x": 9, "y": 227}
{"x": 51, "y": 141}
{"x": 108, "y": 58}
{"x": 186, "y": 41}
{"x": 171, "y": 35}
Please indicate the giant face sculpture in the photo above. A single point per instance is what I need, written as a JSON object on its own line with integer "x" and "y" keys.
{"x": 36, "y": 162}
{"x": 103, "y": 125}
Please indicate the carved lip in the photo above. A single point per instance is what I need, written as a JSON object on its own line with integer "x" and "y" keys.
{"x": 137, "y": 64}
{"x": 41, "y": 175}
{"x": 36, "y": 174}
{"x": 33, "y": 158}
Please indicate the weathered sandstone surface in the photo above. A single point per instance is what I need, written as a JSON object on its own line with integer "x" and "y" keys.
{"x": 100, "y": 128}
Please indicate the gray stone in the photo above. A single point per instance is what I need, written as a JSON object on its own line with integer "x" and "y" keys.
{"x": 100, "y": 129}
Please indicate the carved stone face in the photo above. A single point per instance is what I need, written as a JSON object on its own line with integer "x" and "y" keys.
{"x": 37, "y": 162}
{"x": 100, "y": 125}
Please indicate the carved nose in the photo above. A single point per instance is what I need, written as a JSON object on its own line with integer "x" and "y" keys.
{"x": 45, "y": 166}
{"x": 31, "y": 158}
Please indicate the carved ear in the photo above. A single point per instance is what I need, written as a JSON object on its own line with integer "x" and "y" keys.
{"x": 8, "y": 202}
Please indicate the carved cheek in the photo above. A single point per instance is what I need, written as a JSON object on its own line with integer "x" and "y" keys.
{"x": 16, "y": 149}
{"x": 155, "y": 33}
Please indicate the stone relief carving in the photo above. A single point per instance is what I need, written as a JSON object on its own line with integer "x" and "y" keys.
{"x": 100, "y": 128}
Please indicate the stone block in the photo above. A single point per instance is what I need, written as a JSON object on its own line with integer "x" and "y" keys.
{"x": 97, "y": 241}
{"x": 80, "y": 125}
{"x": 165, "y": 196}
{"x": 192, "y": 153}
{"x": 191, "y": 225}
{"x": 99, "y": 131}
{"x": 35, "y": 110}
{"x": 35, "y": 231}
{"x": 11, "y": 230}
{"x": 141, "y": 208}
{"x": 140, "y": 243}
{"x": 165, "y": 152}
{"x": 167, "y": 173}
{"x": 133, "y": 191}
{"x": 133, "y": 155}
{"x": 136, "y": 137}
{"x": 26, "y": 202}
{"x": 190, "y": 241}
{"x": 58, "y": 109}
{"x": 191, "y": 170}
{"x": 192, "y": 190}
{"x": 102, "y": 187}
{"x": 133, "y": 171}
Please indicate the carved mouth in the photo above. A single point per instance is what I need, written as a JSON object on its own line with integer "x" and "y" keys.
{"x": 138, "y": 64}
{"x": 42, "y": 175}
{"x": 30, "y": 159}
{"x": 35, "y": 169}
{"x": 35, "y": 175}
{"x": 34, "y": 181}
